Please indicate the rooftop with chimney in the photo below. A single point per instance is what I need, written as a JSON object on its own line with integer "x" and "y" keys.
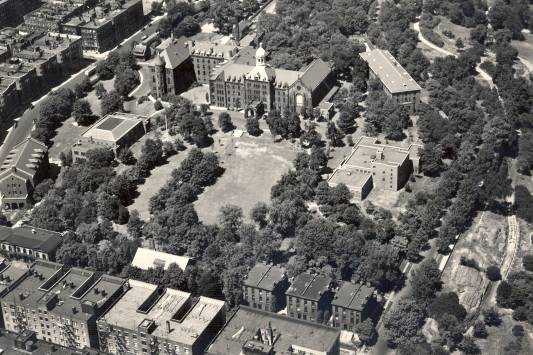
{"x": 251, "y": 331}
{"x": 352, "y": 296}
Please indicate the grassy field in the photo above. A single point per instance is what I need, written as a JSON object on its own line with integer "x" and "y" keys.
{"x": 458, "y": 31}
{"x": 252, "y": 166}
{"x": 66, "y": 135}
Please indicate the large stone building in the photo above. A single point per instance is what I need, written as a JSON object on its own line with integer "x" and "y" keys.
{"x": 206, "y": 56}
{"x": 59, "y": 304}
{"x": 261, "y": 88}
{"x": 104, "y": 26}
{"x": 373, "y": 164}
{"x": 148, "y": 319}
{"x": 114, "y": 131}
{"x": 254, "y": 332}
{"x": 352, "y": 304}
{"x": 29, "y": 242}
{"x": 172, "y": 70}
{"x": 309, "y": 298}
{"x": 52, "y": 15}
{"x": 265, "y": 286}
{"x": 24, "y": 167}
{"x": 395, "y": 80}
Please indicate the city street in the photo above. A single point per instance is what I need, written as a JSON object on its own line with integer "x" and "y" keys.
{"x": 22, "y": 129}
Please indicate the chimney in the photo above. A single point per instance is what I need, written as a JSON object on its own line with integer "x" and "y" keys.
{"x": 168, "y": 326}
{"x": 33, "y": 231}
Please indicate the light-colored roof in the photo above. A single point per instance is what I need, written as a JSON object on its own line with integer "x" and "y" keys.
{"x": 389, "y": 71}
{"x": 352, "y": 179}
{"x": 148, "y": 258}
{"x": 197, "y": 316}
{"x": 112, "y": 127}
{"x": 24, "y": 159}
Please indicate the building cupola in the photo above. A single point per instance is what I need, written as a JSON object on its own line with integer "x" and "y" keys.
{"x": 260, "y": 56}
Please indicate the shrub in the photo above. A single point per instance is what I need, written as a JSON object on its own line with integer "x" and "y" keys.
{"x": 432, "y": 36}
{"x": 520, "y": 313}
{"x": 158, "y": 105}
{"x": 527, "y": 261}
{"x": 448, "y": 34}
{"x": 492, "y": 317}
{"x": 493, "y": 273}
{"x": 480, "y": 331}
{"x": 469, "y": 262}
{"x": 518, "y": 331}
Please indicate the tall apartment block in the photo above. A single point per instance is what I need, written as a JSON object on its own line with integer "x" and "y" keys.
{"x": 265, "y": 286}
{"x": 59, "y": 304}
{"x": 148, "y": 319}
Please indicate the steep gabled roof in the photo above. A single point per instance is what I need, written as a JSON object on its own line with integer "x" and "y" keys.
{"x": 315, "y": 74}
{"x": 24, "y": 159}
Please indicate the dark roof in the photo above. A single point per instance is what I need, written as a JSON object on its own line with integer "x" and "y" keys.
{"x": 315, "y": 74}
{"x": 175, "y": 54}
{"x": 24, "y": 159}
{"x": 249, "y": 326}
{"x": 309, "y": 286}
{"x": 352, "y": 296}
{"x": 24, "y": 237}
{"x": 7, "y": 343}
{"x": 264, "y": 276}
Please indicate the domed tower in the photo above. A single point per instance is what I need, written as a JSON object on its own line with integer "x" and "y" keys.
{"x": 159, "y": 75}
{"x": 260, "y": 55}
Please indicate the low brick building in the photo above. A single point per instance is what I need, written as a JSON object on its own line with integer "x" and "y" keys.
{"x": 309, "y": 298}
{"x": 29, "y": 242}
{"x": 352, "y": 304}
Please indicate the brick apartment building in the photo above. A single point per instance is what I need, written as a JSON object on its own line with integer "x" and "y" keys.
{"x": 52, "y": 15}
{"x": 352, "y": 304}
{"x": 24, "y": 167}
{"x": 59, "y": 304}
{"x": 104, "y": 26}
{"x": 309, "y": 298}
{"x": 395, "y": 81}
{"x": 264, "y": 287}
{"x": 148, "y": 319}
{"x": 254, "y": 332}
{"x": 29, "y": 243}
{"x": 373, "y": 164}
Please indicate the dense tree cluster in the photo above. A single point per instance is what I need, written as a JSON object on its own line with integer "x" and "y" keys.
{"x": 194, "y": 126}
{"x": 226, "y": 14}
{"x": 302, "y": 30}
{"x": 515, "y": 293}
{"x": 182, "y": 19}
{"x": 55, "y": 109}
{"x": 467, "y": 13}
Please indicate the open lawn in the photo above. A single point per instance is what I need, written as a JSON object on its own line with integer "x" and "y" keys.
{"x": 66, "y": 135}
{"x": 458, "y": 31}
{"x": 252, "y": 166}
{"x": 500, "y": 337}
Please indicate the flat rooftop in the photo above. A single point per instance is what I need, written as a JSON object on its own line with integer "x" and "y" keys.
{"x": 389, "y": 71}
{"x": 112, "y": 127}
{"x": 148, "y": 258}
{"x": 350, "y": 178}
{"x": 15, "y": 69}
{"x": 159, "y": 306}
{"x": 12, "y": 272}
{"x": 264, "y": 276}
{"x": 365, "y": 155}
{"x": 246, "y": 324}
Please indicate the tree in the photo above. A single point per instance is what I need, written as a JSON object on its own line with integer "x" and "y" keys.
{"x": 152, "y": 152}
{"x": 480, "y": 331}
{"x": 492, "y": 317}
{"x": 252, "y": 126}
{"x": 259, "y": 214}
{"x": 493, "y": 273}
{"x": 430, "y": 159}
{"x": 103, "y": 70}
{"x": 293, "y": 125}
{"x": 157, "y": 8}
{"x": 403, "y": 322}
{"x": 99, "y": 90}
{"x": 41, "y": 190}
{"x": 125, "y": 82}
{"x": 112, "y": 102}
{"x": 366, "y": 331}
{"x": 459, "y": 44}
{"x": 187, "y": 27}
{"x": 346, "y": 122}
{"x": 82, "y": 112}
{"x": 224, "y": 122}
{"x": 469, "y": 346}
{"x": 425, "y": 280}
{"x": 447, "y": 303}
{"x": 334, "y": 135}
{"x": 126, "y": 157}
{"x": 100, "y": 157}
{"x": 527, "y": 262}
{"x": 524, "y": 205}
